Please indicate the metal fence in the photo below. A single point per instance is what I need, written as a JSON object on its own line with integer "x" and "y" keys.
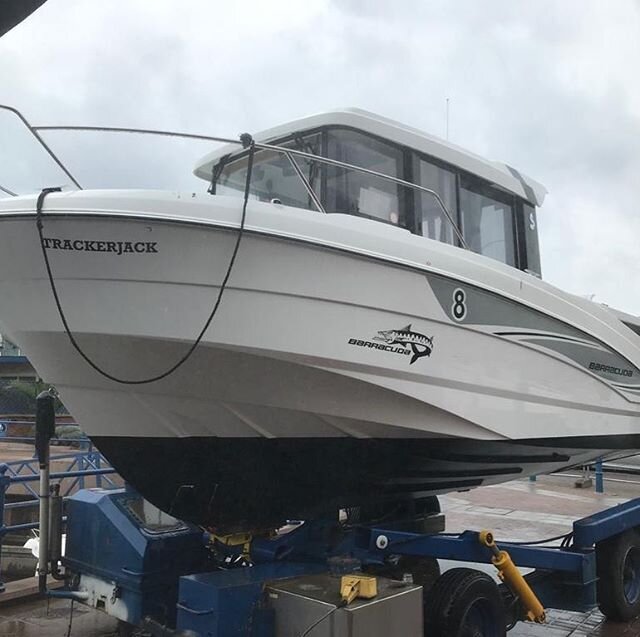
{"x": 73, "y": 469}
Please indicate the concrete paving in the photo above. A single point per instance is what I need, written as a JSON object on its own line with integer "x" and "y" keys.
{"x": 516, "y": 511}
{"x": 41, "y": 619}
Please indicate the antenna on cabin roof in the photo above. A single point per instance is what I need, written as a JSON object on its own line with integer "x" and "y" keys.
{"x": 447, "y": 133}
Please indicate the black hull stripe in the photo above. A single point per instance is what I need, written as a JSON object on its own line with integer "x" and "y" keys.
{"x": 233, "y": 484}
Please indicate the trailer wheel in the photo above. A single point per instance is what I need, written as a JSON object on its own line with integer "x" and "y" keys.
{"x": 464, "y": 602}
{"x": 618, "y": 568}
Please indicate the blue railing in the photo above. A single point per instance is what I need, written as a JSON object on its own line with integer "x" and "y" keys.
{"x": 76, "y": 468}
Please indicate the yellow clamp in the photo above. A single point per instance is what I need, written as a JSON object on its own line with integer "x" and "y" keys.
{"x": 354, "y": 586}
{"x": 236, "y": 539}
{"x": 508, "y": 572}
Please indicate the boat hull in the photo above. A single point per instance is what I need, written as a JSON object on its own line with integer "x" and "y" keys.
{"x": 333, "y": 371}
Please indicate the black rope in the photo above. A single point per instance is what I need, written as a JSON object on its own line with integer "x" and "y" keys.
{"x": 565, "y": 537}
{"x": 70, "y": 619}
{"x": 340, "y": 605}
{"x": 247, "y": 142}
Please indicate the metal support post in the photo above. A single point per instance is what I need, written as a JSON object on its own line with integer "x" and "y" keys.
{"x": 45, "y": 429}
{"x": 55, "y": 531}
{"x": 98, "y": 477}
{"x": 599, "y": 476}
{"x": 4, "y": 485}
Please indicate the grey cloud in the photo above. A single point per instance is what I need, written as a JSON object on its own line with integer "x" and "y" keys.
{"x": 546, "y": 86}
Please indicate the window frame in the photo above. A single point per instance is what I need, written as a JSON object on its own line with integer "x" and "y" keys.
{"x": 407, "y": 196}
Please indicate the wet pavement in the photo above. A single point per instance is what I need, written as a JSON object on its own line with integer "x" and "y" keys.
{"x": 41, "y": 619}
{"x": 519, "y": 511}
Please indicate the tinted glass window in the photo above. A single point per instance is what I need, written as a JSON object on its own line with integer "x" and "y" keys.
{"x": 433, "y": 221}
{"x": 357, "y": 193}
{"x": 150, "y": 517}
{"x": 487, "y": 225}
{"x": 274, "y": 177}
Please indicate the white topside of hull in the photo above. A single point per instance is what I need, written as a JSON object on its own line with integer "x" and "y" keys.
{"x": 305, "y": 285}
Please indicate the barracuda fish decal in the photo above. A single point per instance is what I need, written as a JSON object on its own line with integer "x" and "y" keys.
{"x": 420, "y": 344}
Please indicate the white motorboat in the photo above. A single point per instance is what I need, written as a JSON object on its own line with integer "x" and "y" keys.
{"x": 373, "y": 341}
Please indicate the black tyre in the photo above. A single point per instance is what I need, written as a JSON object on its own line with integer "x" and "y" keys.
{"x": 618, "y": 567}
{"x": 464, "y": 603}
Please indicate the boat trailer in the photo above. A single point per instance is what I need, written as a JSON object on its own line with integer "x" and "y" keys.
{"x": 328, "y": 578}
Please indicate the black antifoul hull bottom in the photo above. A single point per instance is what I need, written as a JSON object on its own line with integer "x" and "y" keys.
{"x": 233, "y": 484}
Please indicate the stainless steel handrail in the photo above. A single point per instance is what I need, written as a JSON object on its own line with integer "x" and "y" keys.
{"x": 44, "y": 145}
{"x": 288, "y": 152}
{"x": 8, "y": 192}
{"x": 305, "y": 181}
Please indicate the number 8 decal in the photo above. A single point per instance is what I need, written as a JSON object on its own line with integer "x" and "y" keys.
{"x": 459, "y": 306}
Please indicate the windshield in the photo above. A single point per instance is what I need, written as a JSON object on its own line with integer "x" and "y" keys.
{"x": 273, "y": 176}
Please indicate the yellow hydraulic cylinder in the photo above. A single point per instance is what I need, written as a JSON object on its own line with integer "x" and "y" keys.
{"x": 508, "y": 572}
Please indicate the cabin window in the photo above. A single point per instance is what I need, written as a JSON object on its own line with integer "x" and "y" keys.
{"x": 432, "y": 221}
{"x": 486, "y": 215}
{"x": 353, "y": 192}
{"x": 273, "y": 176}
{"x": 487, "y": 224}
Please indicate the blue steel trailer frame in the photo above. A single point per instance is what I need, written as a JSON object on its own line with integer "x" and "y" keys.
{"x": 563, "y": 577}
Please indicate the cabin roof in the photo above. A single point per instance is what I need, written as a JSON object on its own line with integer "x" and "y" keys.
{"x": 498, "y": 173}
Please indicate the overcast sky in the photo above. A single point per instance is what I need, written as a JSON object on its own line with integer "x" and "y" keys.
{"x": 551, "y": 88}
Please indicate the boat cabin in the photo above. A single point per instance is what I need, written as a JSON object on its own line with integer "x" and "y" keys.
{"x": 492, "y": 204}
